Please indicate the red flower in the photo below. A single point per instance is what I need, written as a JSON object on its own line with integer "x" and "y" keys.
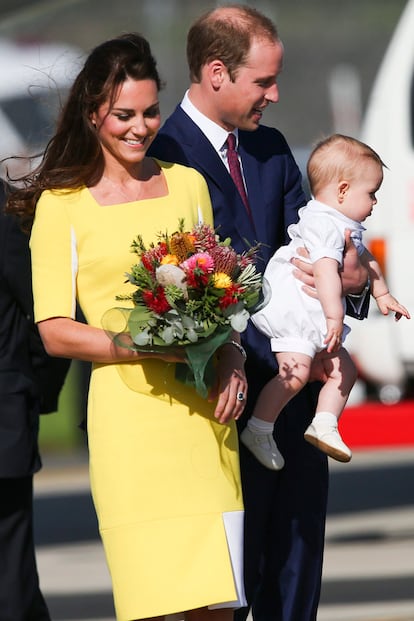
{"x": 198, "y": 268}
{"x": 156, "y": 301}
{"x": 197, "y": 279}
{"x": 152, "y": 258}
{"x": 148, "y": 263}
{"x": 244, "y": 261}
{"x": 231, "y": 296}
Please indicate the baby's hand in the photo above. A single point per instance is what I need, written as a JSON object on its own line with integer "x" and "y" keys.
{"x": 333, "y": 340}
{"x": 386, "y": 302}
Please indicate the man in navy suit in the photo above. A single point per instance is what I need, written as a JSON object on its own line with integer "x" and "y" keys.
{"x": 30, "y": 382}
{"x": 235, "y": 56}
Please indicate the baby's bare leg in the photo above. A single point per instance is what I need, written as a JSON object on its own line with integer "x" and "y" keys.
{"x": 341, "y": 375}
{"x": 293, "y": 374}
{"x": 258, "y": 434}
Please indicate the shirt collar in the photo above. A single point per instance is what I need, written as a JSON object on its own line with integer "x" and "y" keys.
{"x": 324, "y": 208}
{"x": 215, "y": 134}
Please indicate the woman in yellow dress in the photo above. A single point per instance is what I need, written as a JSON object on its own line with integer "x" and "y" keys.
{"x": 163, "y": 461}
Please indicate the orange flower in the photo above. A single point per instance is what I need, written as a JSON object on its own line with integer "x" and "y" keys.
{"x": 169, "y": 259}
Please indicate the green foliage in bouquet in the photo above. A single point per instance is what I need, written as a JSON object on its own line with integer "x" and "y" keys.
{"x": 191, "y": 290}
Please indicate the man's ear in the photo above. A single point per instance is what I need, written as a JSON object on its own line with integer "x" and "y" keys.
{"x": 217, "y": 73}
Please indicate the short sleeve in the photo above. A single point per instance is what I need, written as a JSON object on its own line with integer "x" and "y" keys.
{"x": 322, "y": 238}
{"x": 54, "y": 259}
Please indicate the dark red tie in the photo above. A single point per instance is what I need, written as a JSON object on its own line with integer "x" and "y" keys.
{"x": 235, "y": 170}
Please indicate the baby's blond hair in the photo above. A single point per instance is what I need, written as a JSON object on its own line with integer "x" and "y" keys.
{"x": 337, "y": 157}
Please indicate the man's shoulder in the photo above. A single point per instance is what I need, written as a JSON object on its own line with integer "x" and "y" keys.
{"x": 177, "y": 121}
{"x": 264, "y": 130}
{"x": 173, "y": 141}
{"x": 269, "y": 139}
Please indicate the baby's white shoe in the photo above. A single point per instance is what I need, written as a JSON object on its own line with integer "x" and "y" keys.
{"x": 264, "y": 448}
{"x": 326, "y": 437}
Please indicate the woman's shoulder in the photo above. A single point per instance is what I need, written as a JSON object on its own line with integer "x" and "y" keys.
{"x": 178, "y": 170}
{"x": 63, "y": 197}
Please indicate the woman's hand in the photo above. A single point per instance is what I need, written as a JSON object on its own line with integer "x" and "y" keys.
{"x": 231, "y": 385}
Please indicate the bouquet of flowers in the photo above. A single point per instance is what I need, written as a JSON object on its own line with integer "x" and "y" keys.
{"x": 191, "y": 291}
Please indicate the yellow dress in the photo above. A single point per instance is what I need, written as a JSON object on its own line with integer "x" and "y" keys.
{"x": 164, "y": 474}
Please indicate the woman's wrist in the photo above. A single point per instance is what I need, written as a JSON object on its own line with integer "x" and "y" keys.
{"x": 237, "y": 346}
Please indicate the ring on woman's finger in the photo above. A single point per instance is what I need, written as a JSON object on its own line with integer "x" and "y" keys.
{"x": 240, "y": 396}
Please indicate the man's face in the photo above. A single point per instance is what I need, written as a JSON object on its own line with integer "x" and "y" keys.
{"x": 243, "y": 101}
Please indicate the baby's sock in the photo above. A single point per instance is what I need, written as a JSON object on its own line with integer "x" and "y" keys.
{"x": 325, "y": 419}
{"x": 257, "y": 425}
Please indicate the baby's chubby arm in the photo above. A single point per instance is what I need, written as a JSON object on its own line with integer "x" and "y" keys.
{"x": 329, "y": 292}
{"x": 353, "y": 274}
{"x": 379, "y": 289}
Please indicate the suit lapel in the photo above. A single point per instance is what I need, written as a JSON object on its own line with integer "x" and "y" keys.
{"x": 206, "y": 160}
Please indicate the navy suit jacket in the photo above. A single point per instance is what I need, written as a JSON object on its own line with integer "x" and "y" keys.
{"x": 274, "y": 187}
{"x": 30, "y": 380}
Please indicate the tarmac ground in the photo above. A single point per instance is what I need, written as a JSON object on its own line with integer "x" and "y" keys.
{"x": 369, "y": 555}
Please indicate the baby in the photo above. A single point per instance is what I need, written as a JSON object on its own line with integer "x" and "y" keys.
{"x": 307, "y": 332}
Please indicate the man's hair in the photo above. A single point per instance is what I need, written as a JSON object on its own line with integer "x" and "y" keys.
{"x": 336, "y": 157}
{"x": 226, "y": 33}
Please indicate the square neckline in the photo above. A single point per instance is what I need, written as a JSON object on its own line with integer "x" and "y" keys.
{"x": 163, "y": 170}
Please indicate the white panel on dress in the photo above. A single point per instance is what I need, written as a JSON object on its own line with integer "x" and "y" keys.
{"x": 234, "y": 527}
{"x": 75, "y": 267}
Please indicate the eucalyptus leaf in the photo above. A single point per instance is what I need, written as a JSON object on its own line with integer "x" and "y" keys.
{"x": 239, "y": 321}
{"x": 168, "y": 335}
{"x": 192, "y": 335}
{"x": 233, "y": 309}
{"x": 142, "y": 338}
{"x": 188, "y": 322}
